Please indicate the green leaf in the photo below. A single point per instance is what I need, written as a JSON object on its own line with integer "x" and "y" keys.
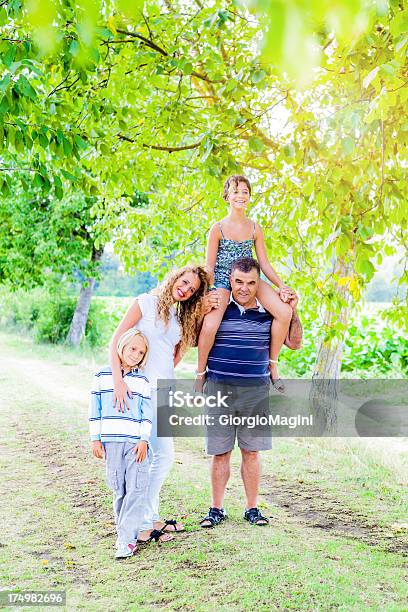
{"x": 370, "y": 77}
{"x": 347, "y": 145}
{"x": 9, "y": 56}
{"x": 257, "y": 76}
{"x": 188, "y": 68}
{"x": 4, "y": 105}
{"x": 366, "y": 268}
{"x": 5, "y": 82}
{"x": 81, "y": 144}
{"x": 59, "y": 192}
{"x": 256, "y": 145}
{"x": 67, "y": 146}
{"x": 69, "y": 176}
{"x": 74, "y": 48}
{"x": 43, "y": 140}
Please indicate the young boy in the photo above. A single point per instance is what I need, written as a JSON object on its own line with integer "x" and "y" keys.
{"x": 123, "y": 438}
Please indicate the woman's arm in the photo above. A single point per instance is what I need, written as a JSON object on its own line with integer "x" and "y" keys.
{"x": 132, "y": 316}
{"x": 212, "y": 249}
{"x": 263, "y": 259}
{"x": 177, "y": 355}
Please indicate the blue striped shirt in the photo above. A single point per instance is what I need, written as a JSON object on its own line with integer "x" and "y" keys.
{"x": 106, "y": 423}
{"x": 240, "y": 354}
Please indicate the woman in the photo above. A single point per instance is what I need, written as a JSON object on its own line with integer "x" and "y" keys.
{"x": 170, "y": 318}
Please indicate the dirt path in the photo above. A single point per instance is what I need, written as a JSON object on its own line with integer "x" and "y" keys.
{"x": 300, "y": 511}
{"x": 304, "y": 503}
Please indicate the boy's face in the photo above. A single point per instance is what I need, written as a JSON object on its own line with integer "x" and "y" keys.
{"x": 134, "y": 352}
{"x": 238, "y": 195}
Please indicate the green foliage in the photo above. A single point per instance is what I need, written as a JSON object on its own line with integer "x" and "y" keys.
{"x": 44, "y": 239}
{"x": 370, "y": 349}
{"x": 165, "y": 100}
{"x": 54, "y": 319}
{"x": 47, "y": 316}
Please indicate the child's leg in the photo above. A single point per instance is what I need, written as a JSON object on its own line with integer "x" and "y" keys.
{"x": 115, "y": 475}
{"x": 210, "y": 326}
{"x": 282, "y": 314}
{"x": 134, "y": 503}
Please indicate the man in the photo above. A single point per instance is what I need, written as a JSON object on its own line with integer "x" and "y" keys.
{"x": 238, "y": 367}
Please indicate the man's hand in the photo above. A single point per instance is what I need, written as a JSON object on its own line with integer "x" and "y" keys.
{"x": 98, "y": 450}
{"x": 210, "y": 300}
{"x": 121, "y": 396}
{"x": 140, "y": 451}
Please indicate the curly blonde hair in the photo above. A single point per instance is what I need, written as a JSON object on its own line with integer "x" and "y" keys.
{"x": 189, "y": 312}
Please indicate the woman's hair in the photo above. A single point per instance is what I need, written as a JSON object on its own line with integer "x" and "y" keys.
{"x": 188, "y": 311}
{"x": 235, "y": 179}
{"x": 126, "y": 338}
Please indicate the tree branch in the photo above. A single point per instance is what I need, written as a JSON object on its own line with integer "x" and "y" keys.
{"x": 59, "y": 88}
{"x": 195, "y": 145}
{"x": 382, "y": 159}
{"x": 192, "y": 205}
{"x": 22, "y": 169}
{"x": 117, "y": 42}
{"x": 145, "y": 41}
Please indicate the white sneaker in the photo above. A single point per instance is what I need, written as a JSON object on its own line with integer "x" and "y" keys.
{"x": 124, "y": 550}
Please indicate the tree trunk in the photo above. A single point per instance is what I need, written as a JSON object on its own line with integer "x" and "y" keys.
{"x": 325, "y": 380}
{"x": 78, "y": 323}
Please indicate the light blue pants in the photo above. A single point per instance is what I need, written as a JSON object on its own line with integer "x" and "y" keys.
{"x": 128, "y": 480}
{"x": 161, "y": 463}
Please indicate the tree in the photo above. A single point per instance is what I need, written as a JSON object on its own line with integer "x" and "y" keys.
{"x": 170, "y": 99}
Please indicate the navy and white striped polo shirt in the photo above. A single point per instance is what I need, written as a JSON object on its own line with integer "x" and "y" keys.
{"x": 240, "y": 354}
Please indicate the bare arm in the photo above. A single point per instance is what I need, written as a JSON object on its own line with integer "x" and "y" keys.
{"x": 177, "y": 355}
{"x": 132, "y": 316}
{"x": 263, "y": 260}
{"x": 212, "y": 249}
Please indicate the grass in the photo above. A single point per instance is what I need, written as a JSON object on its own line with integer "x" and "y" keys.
{"x": 336, "y": 539}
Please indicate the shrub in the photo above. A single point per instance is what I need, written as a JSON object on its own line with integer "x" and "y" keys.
{"x": 47, "y": 315}
{"x": 367, "y": 348}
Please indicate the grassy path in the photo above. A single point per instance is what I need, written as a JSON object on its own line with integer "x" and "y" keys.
{"x": 336, "y": 540}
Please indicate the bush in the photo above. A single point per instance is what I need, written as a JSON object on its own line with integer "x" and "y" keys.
{"x": 54, "y": 319}
{"x": 47, "y": 316}
{"x": 367, "y": 348}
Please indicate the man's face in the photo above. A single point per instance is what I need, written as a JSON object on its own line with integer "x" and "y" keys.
{"x": 244, "y": 286}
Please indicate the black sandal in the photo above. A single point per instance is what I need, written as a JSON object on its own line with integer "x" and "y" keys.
{"x": 215, "y": 516}
{"x": 155, "y": 535}
{"x": 255, "y": 517}
{"x": 171, "y": 522}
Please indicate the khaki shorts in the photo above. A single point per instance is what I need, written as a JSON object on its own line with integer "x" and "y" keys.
{"x": 245, "y": 406}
